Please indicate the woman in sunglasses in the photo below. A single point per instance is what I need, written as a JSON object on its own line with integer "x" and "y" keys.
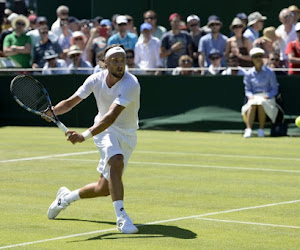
{"x": 261, "y": 87}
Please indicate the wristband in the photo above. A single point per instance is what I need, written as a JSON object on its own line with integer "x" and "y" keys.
{"x": 87, "y": 134}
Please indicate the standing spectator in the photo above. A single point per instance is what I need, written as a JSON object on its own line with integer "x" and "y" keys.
{"x": 233, "y": 66}
{"x": 43, "y": 45}
{"x": 17, "y": 45}
{"x": 151, "y": 17}
{"x": 239, "y": 45}
{"x": 185, "y": 62}
{"x": 293, "y": 53}
{"x": 130, "y": 62}
{"x": 127, "y": 39}
{"x": 261, "y": 87}
{"x": 267, "y": 41}
{"x": 255, "y": 25}
{"x": 193, "y": 24}
{"x": 175, "y": 42}
{"x": 62, "y": 12}
{"x": 215, "y": 58}
{"x": 214, "y": 40}
{"x": 7, "y": 31}
{"x": 296, "y": 13}
{"x": 274, "y": 63}
{"x": 53, "y": 62}
{"x": 77, "y": 61}
{"x": 147, "y": 49}
{"x": 286, "y": 33}
{"x": 130, "y": 25}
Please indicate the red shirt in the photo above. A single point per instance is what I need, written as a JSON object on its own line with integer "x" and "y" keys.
{"x": 293, "y": 47}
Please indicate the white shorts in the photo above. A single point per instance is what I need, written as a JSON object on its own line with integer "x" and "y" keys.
{"x": 110, "y": 143}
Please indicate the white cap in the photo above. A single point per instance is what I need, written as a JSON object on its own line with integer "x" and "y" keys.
{"x": 256, "y": 51}
{"x": 297, "y": 28}
{"x": 192, "y": 17}
{"x": 12, "y": 16}
{"x": 121, "y": 19}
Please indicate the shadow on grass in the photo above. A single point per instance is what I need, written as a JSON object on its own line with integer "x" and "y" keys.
{"x": 93, "y": 221}
{"x": 148, "y": 231}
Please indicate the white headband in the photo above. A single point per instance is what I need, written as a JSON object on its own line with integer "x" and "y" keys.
{"x": 113, "y": 51}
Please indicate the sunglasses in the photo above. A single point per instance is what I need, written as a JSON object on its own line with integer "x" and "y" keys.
{"x": 78, "y": 39}
{"x": 20, "y": 24}
{"x": 257, "y": 56}
{"x": 193, "y": 24}
{"x": 238, "y": 27}
{"x": 274, "y": 59}
{"x": 214, "y": 24}
{"x": 129, "y": 57}
{"x": 149, "y": 17}
{"x": 122, "y": 24}
{"x": 215, "y": 58}
{"x": 44, "y": 32}
{"x": 74, "y": 56}
{"x": 51, "y": 59}
{"x": 186, "y": 61}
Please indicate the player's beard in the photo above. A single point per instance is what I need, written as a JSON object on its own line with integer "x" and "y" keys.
{"x": 118, "y": 74}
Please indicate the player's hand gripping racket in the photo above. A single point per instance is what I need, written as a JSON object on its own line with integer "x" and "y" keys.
{"x": 32, "y": 96}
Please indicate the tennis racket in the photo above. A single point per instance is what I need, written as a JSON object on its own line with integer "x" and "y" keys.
{"x": 31, "y": 95}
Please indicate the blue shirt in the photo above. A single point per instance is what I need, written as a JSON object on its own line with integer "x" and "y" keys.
{"x": 251, "y": 34}
{"x": 128, "y": 41}
{"x": 83, "y": 64}
{"x": 207, "y": 43}
{"x": 259, "y": 82}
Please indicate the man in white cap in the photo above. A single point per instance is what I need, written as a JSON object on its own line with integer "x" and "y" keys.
{"x": 17, "y": 45}
{"x": 117, "y": 94}
{"x": 127, "y": 39}
{"x": 255, "y": 25}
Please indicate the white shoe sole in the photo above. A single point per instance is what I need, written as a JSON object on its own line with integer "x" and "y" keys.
{"x": 60, "y": 192}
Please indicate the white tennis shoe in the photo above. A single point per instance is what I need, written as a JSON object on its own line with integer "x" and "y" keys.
{"x": 59, "y": 204}
{"x": 125, "y": 225}
{"x": 248, "y": 133}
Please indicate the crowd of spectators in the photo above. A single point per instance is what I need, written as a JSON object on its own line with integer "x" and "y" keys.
{"x": 74, "y": 46}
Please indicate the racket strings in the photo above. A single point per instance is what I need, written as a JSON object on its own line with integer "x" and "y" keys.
{"x": 30, "y": 93}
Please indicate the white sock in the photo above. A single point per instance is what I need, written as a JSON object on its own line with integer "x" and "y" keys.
{"x": 119, "y": 208}
{"x": 73, "y": 196}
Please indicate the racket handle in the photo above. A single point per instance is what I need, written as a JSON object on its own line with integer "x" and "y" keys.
{"x": 62, "y": 126}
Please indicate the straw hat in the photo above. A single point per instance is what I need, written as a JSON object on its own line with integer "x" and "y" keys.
{"x": 76, "y": 34}
{"x": 236, "y": 21}
{"x": 22, "y": 19}
{"x": 294, "y": 8}
{"x": 74, "y": 49}
{"x": 269, "y": 34}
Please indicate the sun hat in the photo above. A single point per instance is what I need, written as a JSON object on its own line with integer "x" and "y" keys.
{"x": 49, "y": 54}
{"x": 74, "y": 49}
{"x": 269, "y": 34}
{"x": 236, "y": 21}
{"x": 21, "y": 18}
{"x": 256, "y": 51}
{"x": 76, "y": 34}
{"x": 255, "y": 17}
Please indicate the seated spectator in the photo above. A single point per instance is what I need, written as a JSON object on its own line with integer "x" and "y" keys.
{"x": 64, "y": 39}
{"x": 147, "y": 50}
{"x": 185, "y": 61}
{"x": 6, "y": 24}
{"x": 53, "y": 62}
{"x": 286, "y": 33}
{"x": 123, "y": 37}
{"x": 151, "y": 17}
{"x": 96, "y": 21}
{"x": 267, "y": 41}
{"x": 79, "y": 39}
{"x": 239, "y": 45}
{"x": 7, "y": 31}
{"x": 98, "y": 40}
{"x": 74, "y": 24}
{"x": 255, "y": 25}
{"x": 243, "y": 17}
{"x": 274, "y": 63}
{"x": 293, "y": 53}
{"x": 77, "y": 61}
{"x": 175, "y": 43}
{"x": 44, "y": 45}
{"x": 130, "y": 65}
{"x": 33, "y": 22}
{"x": 17, "y": 45}
{"x": 130, "y": 25}
{"x": 215, "y": 58}
{"x": 35, "y": 34}
{"x": 261, "y": 87}
{"x": 99, "y": 59}
{"x": 233, "y": 66}
{"x": 193, "y": 23}
{"x": 85, "y": 27}
{"x": 214, "y": 40}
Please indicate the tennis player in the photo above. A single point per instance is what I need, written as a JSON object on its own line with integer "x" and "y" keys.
{"x": 117, "y": 94}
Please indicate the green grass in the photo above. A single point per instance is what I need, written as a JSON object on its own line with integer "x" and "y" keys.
{"x": 171, "y": 177}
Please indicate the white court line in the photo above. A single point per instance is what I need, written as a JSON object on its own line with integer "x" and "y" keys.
{"x": 250, "y": 223}
{"x": 194, "y": 166}
{"x": 155, "y": 152}
{"x": 152, "y": 223}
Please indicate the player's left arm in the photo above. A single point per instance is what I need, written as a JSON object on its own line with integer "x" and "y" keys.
{"x": 107, "y": 120}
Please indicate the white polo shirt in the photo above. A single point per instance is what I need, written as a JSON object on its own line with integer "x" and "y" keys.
{"x": 125, "y": 92}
